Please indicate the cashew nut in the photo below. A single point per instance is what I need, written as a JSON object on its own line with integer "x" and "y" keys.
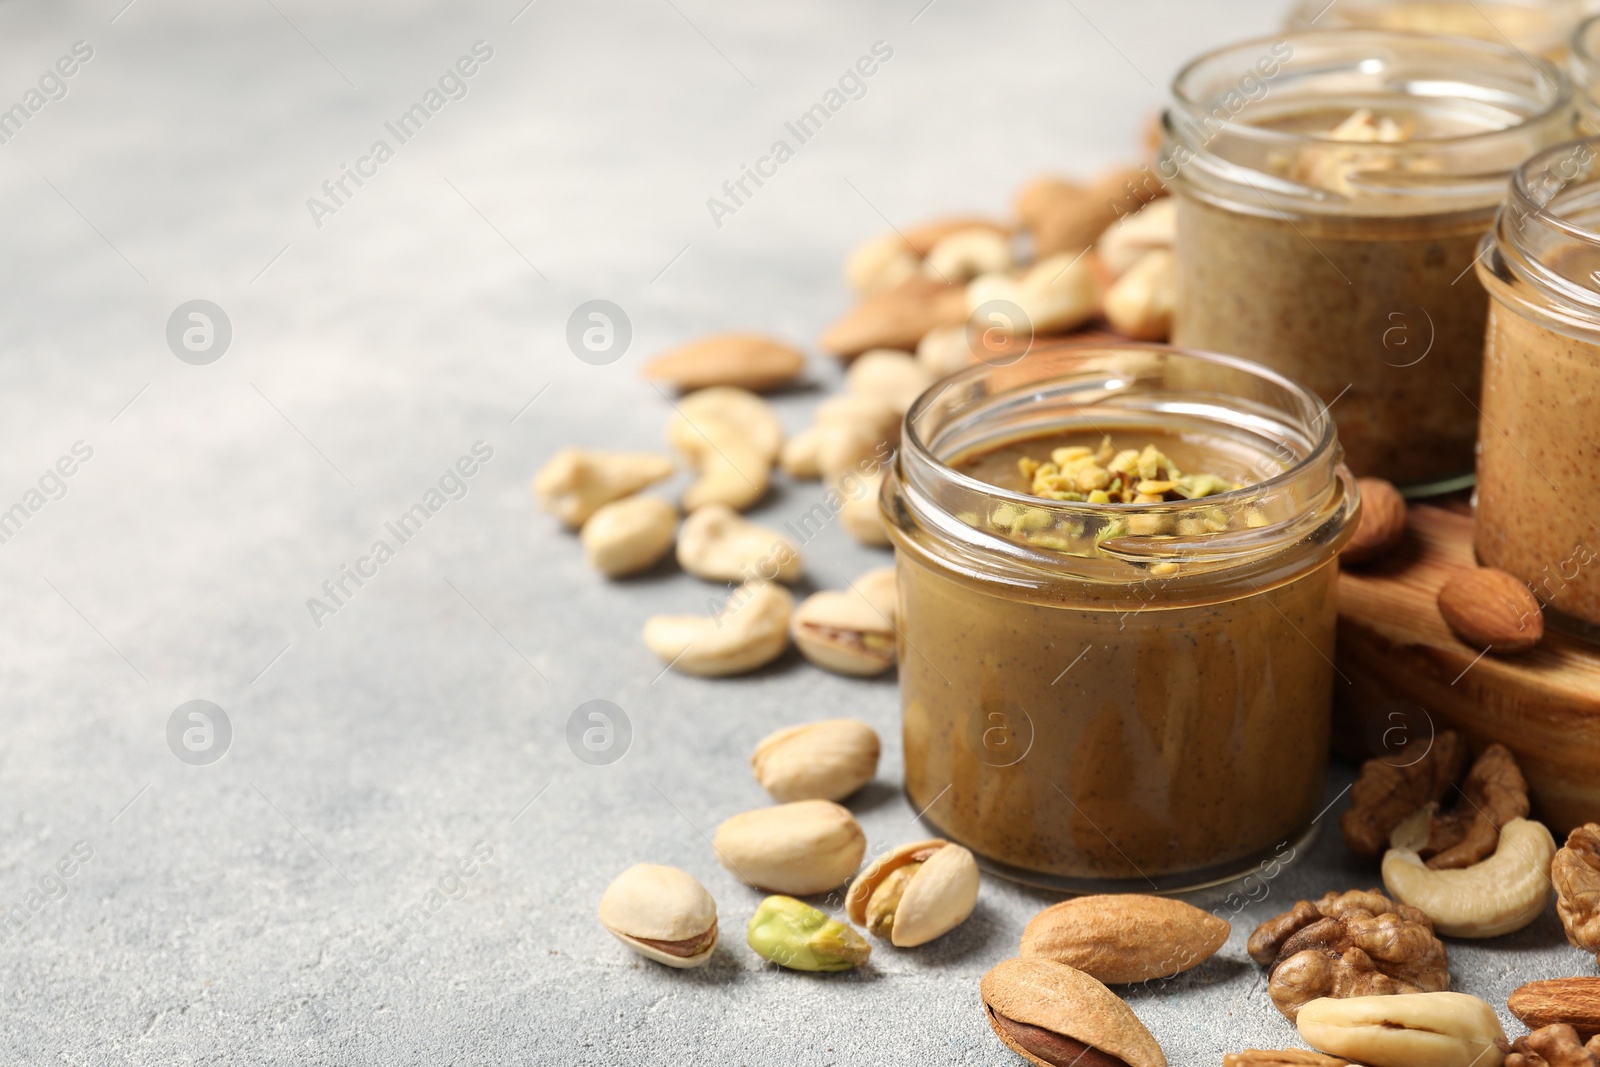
{"x": 894, "y": 378}
{"x": 629, "y": 536}
{"x": 848, "y": 430}
{"x": 859, "y": 513}
{"x": 739, "y": 409}
{"x": 880, "y": 263}
{"x": 1056, "y": 296}
{"x": 720, "y": 546}
{"x": 1503, "y": 893}
{"x": 1140, "y": 303}
{"x": 576, "y": 482}
{"x": 945, "y": 350}
{"x": 965, "y": 254}
{"x": 751, "y": 631}
{"x": 1126, "y": 241}
{"x": 1406, "y": 1030}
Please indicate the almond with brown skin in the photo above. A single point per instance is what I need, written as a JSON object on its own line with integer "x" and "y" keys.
{"x": 1488, "y": 607}
{"x": 746, "y": 360}
{"x": 1053, "y": 1015}
{"x": 897, "y": 317}
{"x": 1119, "y": 939}
{"x": 1382, "y": 525}
{"x": 1572, "y": 1001}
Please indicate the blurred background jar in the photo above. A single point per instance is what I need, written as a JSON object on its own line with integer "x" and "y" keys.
{"x": 1540, "y": 27}
{"x": 1332, "y": 190}
{"x": 1538, "y": 502}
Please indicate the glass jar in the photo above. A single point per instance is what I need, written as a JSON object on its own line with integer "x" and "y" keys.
{"x": 1345, "y": 263}
{"x": 1538, "y": 26}
{"x": 1102, "y": 697}
{"x": 1584, "y": 65}
{"x": 1538, "y": 501}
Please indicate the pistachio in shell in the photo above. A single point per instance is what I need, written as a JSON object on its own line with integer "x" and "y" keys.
{"x": 800, "y": 848}
{"x": 661, "y": 913}
{"x": 916, "y": 892}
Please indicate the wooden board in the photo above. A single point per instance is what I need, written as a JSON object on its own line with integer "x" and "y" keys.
{"x": 1402, "y": 672}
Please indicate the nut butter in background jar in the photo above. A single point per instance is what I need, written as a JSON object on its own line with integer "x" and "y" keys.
{"x": 1541, "y": 27}
{"x": 1332, "y": 191}
{"x": 1104, "y": 696}
{"x": 1538, "y": 500}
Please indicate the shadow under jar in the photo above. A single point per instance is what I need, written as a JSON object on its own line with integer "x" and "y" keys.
{"x": 1538, "y": 501}
{"x": 1332, "y": 189}
{"x": 1104, "y": 697}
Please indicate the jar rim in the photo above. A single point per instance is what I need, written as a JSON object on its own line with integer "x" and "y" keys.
{"x": 911, "y": 438}
{"x": 1274, "y": 422}
{"x": 1548, "y": 71}
{"x": 1531, "y": 232}
{"x": 1214, "y": 148}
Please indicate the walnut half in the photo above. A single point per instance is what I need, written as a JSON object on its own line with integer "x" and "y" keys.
{"x": 1575, "y": 872}
{"x": 1385, "y": 794}
{"x": 1554, "y": 1046}
{"x": 1354, "y": 944}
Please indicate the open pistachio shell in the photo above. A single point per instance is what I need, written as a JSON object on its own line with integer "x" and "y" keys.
{"x": 937, "y": 897}
{"x": 663, "y": 914}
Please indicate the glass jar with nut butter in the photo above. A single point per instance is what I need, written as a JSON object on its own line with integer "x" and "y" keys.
{"x": 1539, "y": 27}
{"x": 1332, "y": 189}
{"x": 1116, "y": 573}
{"x": 1538, "y": 499}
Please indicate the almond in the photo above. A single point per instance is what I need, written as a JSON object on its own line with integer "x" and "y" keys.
{"x": 1382, "y": 524}
{"x": 1488, "y": 607}
{"x": 746, "y": 360}
{"x": 897, "y": 317}
{"x": 1068, "y": 218}
{"x": 1573, "y": 1001}
{"x": 1122, "y": 939}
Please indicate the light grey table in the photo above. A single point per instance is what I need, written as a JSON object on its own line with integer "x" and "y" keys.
{"x": 254, "y": 909}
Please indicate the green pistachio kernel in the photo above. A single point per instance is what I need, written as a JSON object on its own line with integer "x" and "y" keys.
{"x": 793, "y": 934}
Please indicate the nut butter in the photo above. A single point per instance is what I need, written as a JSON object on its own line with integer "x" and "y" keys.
{"x": 1538, "y": 503}
{"x": 1332, "y": 189}
{"x": 1106, "y": 695}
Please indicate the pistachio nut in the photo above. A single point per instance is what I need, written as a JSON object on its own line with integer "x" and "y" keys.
{"x": 1057, "y": 1016}
{"x": 577, "y": 482}
{"x": 1495, "y": 896}
{"x": 752, "y": 631}
{"x": 718, "y": 545}
{"x": 915, "y": 893}
{"x": 879, "y": 587}
{"x": 965, "y": 254}
{"x": 804, "y": 847}
{"x": 661, "y": 913}
{"x": 826, "y": 760}
{"x": 740, "y": 411}
{"x": 628, "y": 536}
{"x": 844, "y": 632}
{"x": 793, "y": 934}
{"x": 1406, "y": 1030}
{"x": 859, "y": 513}
{"x": 895, "y": 378}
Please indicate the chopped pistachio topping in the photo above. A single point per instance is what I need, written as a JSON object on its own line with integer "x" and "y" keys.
{"x": 1109, "y": 476}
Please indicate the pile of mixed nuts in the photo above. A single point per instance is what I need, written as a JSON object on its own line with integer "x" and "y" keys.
{"x": 1362, "y": 974}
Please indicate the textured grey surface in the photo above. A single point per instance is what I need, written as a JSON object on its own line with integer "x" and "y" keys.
{"x": 250, "y": 911}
